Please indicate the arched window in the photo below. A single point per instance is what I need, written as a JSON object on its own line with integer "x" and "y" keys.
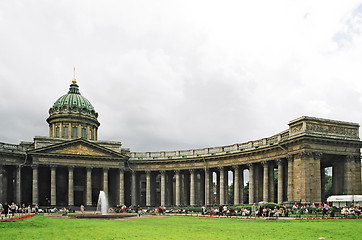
{"x": 65, "y": 132}
{"x": 74, "y": 132}
{"x": 83, "y": 132}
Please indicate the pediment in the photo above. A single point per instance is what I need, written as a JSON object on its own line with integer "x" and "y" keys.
{"x": 78, "y": 147}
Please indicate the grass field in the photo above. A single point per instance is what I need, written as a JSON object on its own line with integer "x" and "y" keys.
{"x": 173, "y": 227}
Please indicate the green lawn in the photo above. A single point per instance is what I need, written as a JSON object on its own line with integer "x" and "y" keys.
{"x": 173, "y": 227}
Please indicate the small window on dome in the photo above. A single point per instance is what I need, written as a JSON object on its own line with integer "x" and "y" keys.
{"x": 83, "y": 133}
{"x": 74, "y": 110}
{"x": 74, "y": 132}
{"x": 65, "y": 132}
{"x": 84, "y": 111}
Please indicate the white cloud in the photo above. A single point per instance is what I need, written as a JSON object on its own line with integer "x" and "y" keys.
{"x": 181, "y": 74}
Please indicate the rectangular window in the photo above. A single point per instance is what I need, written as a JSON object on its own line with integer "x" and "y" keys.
{"x": 83, "y": 132}
{"x": 65, "y": 132}
{"x": 90, "y": 135}
{"x": 74, "y": 132}
{"x": 57, "y": 132}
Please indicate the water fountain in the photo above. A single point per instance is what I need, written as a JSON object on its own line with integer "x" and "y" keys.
{"x": 102, "y": 208}
{"x": 102, "y": 205}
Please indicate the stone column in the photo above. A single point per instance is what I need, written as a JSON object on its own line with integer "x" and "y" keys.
{"x": 70, "y": 186}
{"x": 148, "y": 188}
{"x": 222, "y": 186}
{"x": 79, "y": 131}
{"x": 1, "y": 184}
{"x": 266, "y": 182}
{"x": 251, "y": 183}
{"x": 163, "y": 188}
{"x": 323, "y": 183}
{"x": 88, "y": 201}
{"x": 192, "y": 187}
{"x": 70, "y": 131}
{"x": 208, "y": 187}
{"x": 134, "y": 189}
{"x": 105, "y": 181}
{"x": 348, "y": 175}
{"x": 35, "y": 185}
{"x": 201, "y": 196}
{"x": 236, "y": 185}
{"x": 178, "y": 188}
{"x": 217, "y": 187}
{"x": 258, "y": 182}
{"x": 18, "y": 185}
{"x": 290, "y": 179}
{"x": 53, "y": 186}
{"x": 280, "y": 181}
{"x": 241, "y": 185}
{"x": 121, "y": 187}
{"x": 271, "y": 183}
{"x": 316, "y": 179}
{"x": 358, "y": 180}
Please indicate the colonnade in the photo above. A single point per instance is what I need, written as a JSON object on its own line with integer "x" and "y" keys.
{"x": 297, "y": 178}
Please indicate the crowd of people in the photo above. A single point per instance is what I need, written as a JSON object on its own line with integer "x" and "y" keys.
{"x": 11, "y": 209}
{"x": 351, "y": 211}
{"x": 256, "y": 210}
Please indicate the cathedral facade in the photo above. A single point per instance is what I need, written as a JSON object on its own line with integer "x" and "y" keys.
{"x": 71, "y": 166}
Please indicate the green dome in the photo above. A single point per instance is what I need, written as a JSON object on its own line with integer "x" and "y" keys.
{"x": 73, "y": 101}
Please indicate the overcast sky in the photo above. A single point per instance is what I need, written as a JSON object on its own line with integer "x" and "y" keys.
{"x": 172, "y": 75}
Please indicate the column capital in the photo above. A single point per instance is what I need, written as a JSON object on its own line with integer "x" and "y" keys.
{"x": 306, "y": 154}
{"x": 53, "y": 166}
{"x": 162, "y": 171}
{"x": 121, "y": 170}
{"x": 192, "y": 170}
{"x": 290, "y": 158}
{"x": 350, "y": 158}
{"x": 265, "y": 164}
{"x": 318, "y": 155}
{"x": 89, "y": 168}
{"x": 177, "y": 171}
{"x": 236, "y": 167}
{"x": 33, "y": 166}
{"x": 279, "y": 161}
{"x": 71, "y": 167}
{"x": 250, "y": 165}
{"x": 220, "y": 168}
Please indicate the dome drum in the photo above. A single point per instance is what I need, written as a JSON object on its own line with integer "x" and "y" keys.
{"x": 73, "y": 116}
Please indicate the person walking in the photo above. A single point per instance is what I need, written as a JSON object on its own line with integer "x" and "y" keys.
{"x": 139, "y": 210}
{"x": 13, "y": 209}
{"x": 253, "y": 210}
{"x": 82, "y": 208}
{"x": 6, "y": 209}
{"x": 36, "y": 209}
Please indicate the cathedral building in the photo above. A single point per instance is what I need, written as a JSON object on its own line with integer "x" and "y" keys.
{"x": 71, "y": 166}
